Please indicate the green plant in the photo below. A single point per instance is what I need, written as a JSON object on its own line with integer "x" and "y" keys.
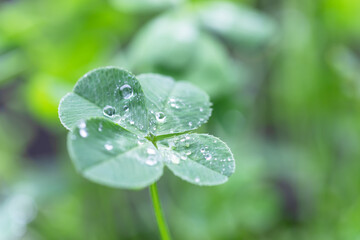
{"x": 125, "y": 129}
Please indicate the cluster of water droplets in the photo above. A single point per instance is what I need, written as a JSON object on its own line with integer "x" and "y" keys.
{"x": 125, "y": 92}
{"x": 152, "y": 158}
{"x": 108, "y": 146}
{"x": 176, "y": 103}
{"x": 178, "y": 149}
{"x": 180, "y": 105}
{"x": 82, "y": 129}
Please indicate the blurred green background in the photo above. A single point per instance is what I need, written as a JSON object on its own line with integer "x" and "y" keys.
{"x": 284, "y": 77}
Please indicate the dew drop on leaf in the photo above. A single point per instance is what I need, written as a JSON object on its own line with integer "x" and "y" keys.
{"x": 108, "y": 146}
{"x": 151, "y": 161}
{"x": 190, "y": 124}
{"x": 83, "y": 133}
{"x": 100, "y": 127}
{"x": 160, "y": 117}
{"x": 109, "y": 111}
{"x": 202, "y": 150}
{"x": 141, "y": 140}
{"x": 174, "y": 159}
{"x": 197, "y": 179}
{"x": 82, "y": 124}
{"x": 126, "y": 108}
{"x": 208, "y": 156}
{"x": 151, "y": 151}
{"x": 82, "y": 130}
{"x": 126, "y": 91}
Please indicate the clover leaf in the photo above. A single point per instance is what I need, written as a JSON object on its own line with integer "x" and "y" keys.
{"x": 125, "y": 129}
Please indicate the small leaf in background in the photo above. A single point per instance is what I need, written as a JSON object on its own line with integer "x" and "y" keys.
{"x": 11, "y": 64}
{"x": 144, "y": 6}
{"x": 166, "y": 43}
{"x": 212, "y": 68}
{"x": 200, "y": 58}
{"x": 237, "y": 24}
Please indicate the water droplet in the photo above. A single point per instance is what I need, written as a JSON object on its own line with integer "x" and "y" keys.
{"x": 174, "y": 159}
{"x": 83, "y": 133}
{"x": 108, "y": 146}
{"x": 132, "y": 122}
{"x": 190, "y": 124}
{"x": 197, "y": 179}
{"x": 202, "y": 150}
{"x": 174, "y": 105}
{"x": 208, "y": 156}
{"x": 126, "y": 108}
{"x": 188, "y": 153}
{"x": 160, "y": 117}
{"x": 151, "y": 161}
{"x": 201, "y": 109}
{"x": 82, "y": 124}
{"x": 126, "y": 91}
{"x": 172, "y": 145}
{"x": 183, "y": 157}
{"x": 150, "y": 151}
{"x": 82, "y": 129}
{"x": 141, "y": 140}
{"x": 109, "y": 111}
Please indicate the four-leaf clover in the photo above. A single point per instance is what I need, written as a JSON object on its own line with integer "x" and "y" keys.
{"x": 125, "y": 129}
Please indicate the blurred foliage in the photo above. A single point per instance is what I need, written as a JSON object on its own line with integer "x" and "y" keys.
{"x": 284, "y": 79}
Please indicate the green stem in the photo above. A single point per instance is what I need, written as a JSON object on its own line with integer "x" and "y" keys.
{"x": 164, "y": 232}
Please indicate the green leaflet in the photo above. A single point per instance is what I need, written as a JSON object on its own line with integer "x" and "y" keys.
{"x": 106, "y": 92}
{"x": 126, "y": 153}
{"x": 106, "y": 153}
{"x": 174, "y": 107}
{"x": 198, "y": 158}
